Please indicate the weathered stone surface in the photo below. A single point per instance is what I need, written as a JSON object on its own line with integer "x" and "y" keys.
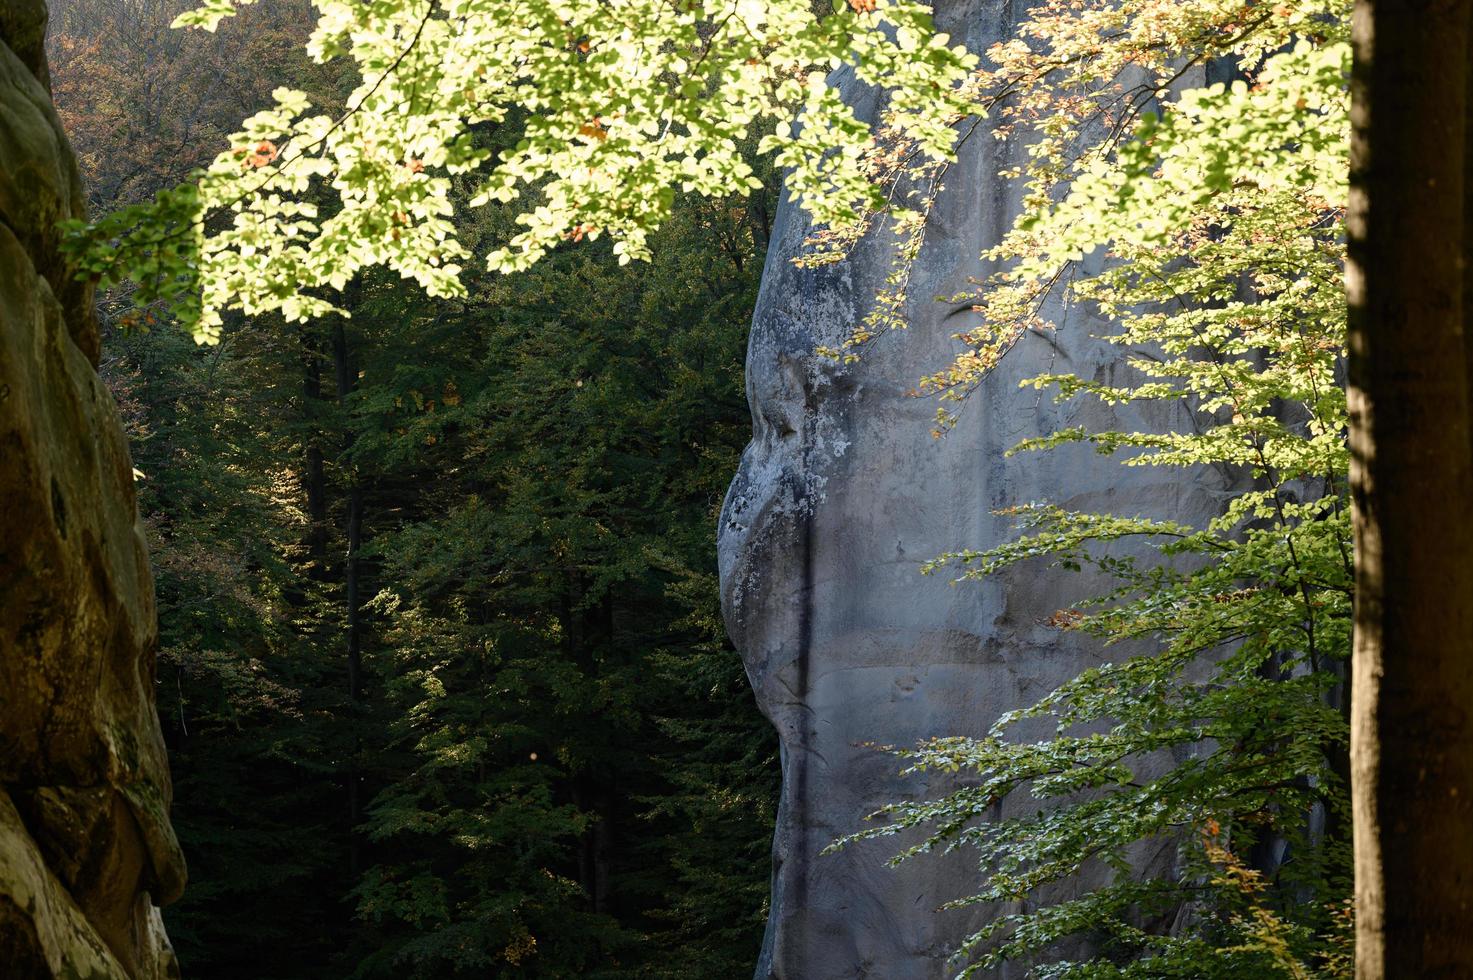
{"x": 840, "y": 496}
{"x": 86, "y": 851}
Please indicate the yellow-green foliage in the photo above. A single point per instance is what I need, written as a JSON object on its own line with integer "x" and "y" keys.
{"x": 618, "y": 106}
{"x": 1218, "y": 212}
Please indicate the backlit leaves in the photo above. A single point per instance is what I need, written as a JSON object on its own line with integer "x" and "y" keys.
{"x": 618, "y": 104}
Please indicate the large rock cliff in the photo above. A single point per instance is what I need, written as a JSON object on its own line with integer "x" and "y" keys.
{"x": 86, "y": 851}
{"x": 841, "y": 495}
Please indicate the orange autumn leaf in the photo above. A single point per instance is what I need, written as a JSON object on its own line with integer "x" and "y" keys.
{"x": 264, "y": 153}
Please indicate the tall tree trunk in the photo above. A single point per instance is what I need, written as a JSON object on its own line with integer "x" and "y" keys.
{"x": 346, "y": 382}
{"x": 352, "y": 600}
{"x": 1412, "y": 488}
{"x": 314, "y": 479}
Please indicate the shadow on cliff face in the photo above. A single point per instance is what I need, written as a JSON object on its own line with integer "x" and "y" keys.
{"x": 86, "y": 851}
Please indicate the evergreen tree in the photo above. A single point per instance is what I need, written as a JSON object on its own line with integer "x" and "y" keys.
{"x": 525, "y": 747}
{"x": 539, "y": 612}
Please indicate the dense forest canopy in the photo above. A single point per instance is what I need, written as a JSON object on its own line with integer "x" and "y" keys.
{"x": 442, "y": 670}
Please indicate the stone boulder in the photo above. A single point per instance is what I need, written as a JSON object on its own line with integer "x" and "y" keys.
{"x": 87, "y": 854}
{"x": 840, "y": 497}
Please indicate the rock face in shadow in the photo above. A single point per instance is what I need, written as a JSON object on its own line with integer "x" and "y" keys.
{"x": 87, "y": 855}
{"x": 841, "y": 495}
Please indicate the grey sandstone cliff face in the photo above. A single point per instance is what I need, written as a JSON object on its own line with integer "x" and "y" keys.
{"x": 841, "y": 495}
{"x": 86, "y": 851}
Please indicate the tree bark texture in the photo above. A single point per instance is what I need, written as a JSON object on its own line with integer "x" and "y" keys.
{"x": 1412, "y": 487}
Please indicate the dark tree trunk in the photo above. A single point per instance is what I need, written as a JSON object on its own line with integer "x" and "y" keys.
{"x": 761, "y": 222}
{"x": 1412, "y": 487}
{"x": 592, "y": 790}
{"x": 314, "y": 478}
{"x": 343, "y": 371}
{"x": 352, "y": 600}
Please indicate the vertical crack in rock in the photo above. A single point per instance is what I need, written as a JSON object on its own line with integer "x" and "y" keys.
{"x": 801, "y": 857}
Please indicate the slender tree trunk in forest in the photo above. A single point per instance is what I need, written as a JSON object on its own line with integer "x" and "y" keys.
{"x": 352, "y": 601}
{"x": 1412, "y": 488}
{"x": 761, "y": 223}
{"x": 314, "y": 479}
{"x": 342, "y": 368}
{"x": 584, "y": 631}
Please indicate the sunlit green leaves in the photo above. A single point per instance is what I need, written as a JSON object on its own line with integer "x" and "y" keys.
{"x": 619, "y": 105}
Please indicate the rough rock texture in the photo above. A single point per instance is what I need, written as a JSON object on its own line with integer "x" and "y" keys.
{"x": 86, "y": 851}
{"x": 841, "y": 495}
